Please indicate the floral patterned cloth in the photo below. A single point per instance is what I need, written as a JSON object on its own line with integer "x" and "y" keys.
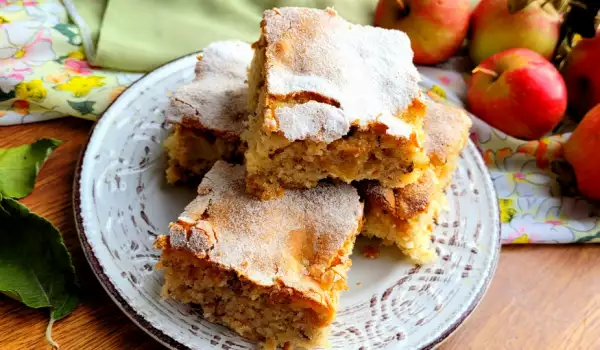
{"x": 44, "y": 75}
{"x": 43, "y": 71}
{"x": 537, "y": 196}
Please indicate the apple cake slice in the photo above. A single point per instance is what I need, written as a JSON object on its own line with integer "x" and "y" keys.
{"x": 331, "y": 99}
{"x": 405, "y": 216}
{"x": 209, "y": 114}
{"x": 270, "y": 270}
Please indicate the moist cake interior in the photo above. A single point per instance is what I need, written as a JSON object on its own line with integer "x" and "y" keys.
{"x": 270, "y": 270}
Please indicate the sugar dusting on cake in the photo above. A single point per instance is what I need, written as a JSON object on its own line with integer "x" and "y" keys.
{"x": 445, "y": 129}
{"x": 218, "y": 96}
{"x": 312, "y": 121}
{"x": 284, "y": 238}
{"x": 367, "y": 71}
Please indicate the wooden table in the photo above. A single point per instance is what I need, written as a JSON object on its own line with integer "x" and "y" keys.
{"x": 543, "y": 297}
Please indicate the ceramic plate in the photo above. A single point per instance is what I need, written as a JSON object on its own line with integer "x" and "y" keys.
{"x": 122, "y": 203}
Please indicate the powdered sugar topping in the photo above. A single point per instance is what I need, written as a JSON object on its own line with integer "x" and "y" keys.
{"x": 218, "y": 96}
{"x": 367, "y": 71}
{"x": 446, "y": 129}
{"x": 326, "y": 122}
{"x": 276, "y": 239}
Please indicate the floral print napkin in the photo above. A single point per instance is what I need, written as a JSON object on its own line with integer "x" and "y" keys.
{"x": 44, "y": 75}
{"x": 43, "y": 71}
{"x": 536, "y": 189}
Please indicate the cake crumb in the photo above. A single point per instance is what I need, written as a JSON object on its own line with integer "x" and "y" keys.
{"x": 358, "y": 283}
{"x": 371, "y": 252}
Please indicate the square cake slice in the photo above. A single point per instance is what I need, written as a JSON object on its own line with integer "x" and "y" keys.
{"x": 270, "y": 270}
{"x": 209, "y": 114}
{"x": 405, "y": 216}
{"x": 331, "y": 99}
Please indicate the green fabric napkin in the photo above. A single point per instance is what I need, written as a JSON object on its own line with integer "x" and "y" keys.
{"x": 139, "y": 35}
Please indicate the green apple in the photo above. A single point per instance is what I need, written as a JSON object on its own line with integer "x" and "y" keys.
{"x": 494, "y": 29}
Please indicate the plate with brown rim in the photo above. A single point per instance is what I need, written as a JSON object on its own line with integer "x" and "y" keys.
{"x": 122, "y": 202}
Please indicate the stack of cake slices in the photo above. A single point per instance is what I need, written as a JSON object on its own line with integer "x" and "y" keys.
{"x": 316, "y": 133}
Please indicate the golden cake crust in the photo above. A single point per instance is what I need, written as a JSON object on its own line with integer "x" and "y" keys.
{"x": 296, "y": 241}
{"x": 446, "y": 133}
{"x": 402, "y": 203}
{"x": 405, "y": 216}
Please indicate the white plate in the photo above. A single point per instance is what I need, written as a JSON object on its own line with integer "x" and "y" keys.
{"x": 122, "y": 203}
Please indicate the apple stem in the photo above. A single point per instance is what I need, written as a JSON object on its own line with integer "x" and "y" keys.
{"x": 401, "y": 6}
{"x": 485, "y": 71}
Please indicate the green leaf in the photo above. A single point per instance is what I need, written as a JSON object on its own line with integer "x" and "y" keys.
{"x": 517, "y": 5}
{"x": 61, "y": 59}
{"x": 590, "y": 238}
{"x": 35, "y": 266}
{"x": 20, "y": 165}
{"x": 85, "y": 107}
{"x": 67, "y": 30}
{"x": 5, "y": 96}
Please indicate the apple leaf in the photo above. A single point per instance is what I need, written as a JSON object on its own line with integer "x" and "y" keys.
{"x": 35, "y": 266}
{"x": 517, "y": 5}
{"x": 20, "y": 165}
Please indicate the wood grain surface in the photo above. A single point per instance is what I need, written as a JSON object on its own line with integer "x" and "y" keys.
{"x": 542, "y": 297}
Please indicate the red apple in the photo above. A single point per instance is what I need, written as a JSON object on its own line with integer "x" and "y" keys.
{"x": 519, "y": 92}
{"x": 581, "y": 152}
{"x": 582, "y": 76}
{"x": 436, "y": 28}
{"x": 495, "y": 29}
